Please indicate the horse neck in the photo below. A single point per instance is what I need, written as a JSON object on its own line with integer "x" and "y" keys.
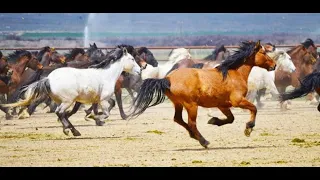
{"x": 150, "y": 72}
{"x": 113, "y": 72}
{"x": 296, "y": 56}
{"x": 245, "y": 68}
{"x": 21, "y": 65}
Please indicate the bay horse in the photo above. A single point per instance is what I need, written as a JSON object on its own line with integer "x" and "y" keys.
{"x": 304, "y": 57}
{"x": 21, "y": 60}
{"x": 222, "y": 87}
{"x": 68, "y": 85}
{"x": 309, "y": 83}
{"x": 5, "y": 71}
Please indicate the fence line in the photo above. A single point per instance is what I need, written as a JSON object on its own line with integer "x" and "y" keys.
{"x": 150, "y": 47}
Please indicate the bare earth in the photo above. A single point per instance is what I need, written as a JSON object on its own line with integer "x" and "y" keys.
{"x": 154, "y": 139}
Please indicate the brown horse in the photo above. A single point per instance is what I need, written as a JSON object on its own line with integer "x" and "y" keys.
{"x": 23, "y": 60}
{"x": 5, "y": 71}
{"x": 309, "y": 84}
{"x": 222, "y": 87}
{"x": 304, "y": 58}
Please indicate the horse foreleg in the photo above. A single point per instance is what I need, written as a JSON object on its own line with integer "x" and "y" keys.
{"x": 62, "y": 115}
{"x": 192, "y": 110}
{"x": 245, "y": 104}
{"x": 130, "y": 93}
{"x": 219, "y": 122}
{"x": 260, "y": 93}
{"x": 74, "y": 109}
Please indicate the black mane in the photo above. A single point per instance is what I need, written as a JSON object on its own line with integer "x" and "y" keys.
{"x": 113, "y": 56}
{"x": 1, "y": 54}
{"x": 18, "y": 54}
{"x": 245, "y": 50}
{"x": 42, "y": 51}
{"x": 72, "y": 53}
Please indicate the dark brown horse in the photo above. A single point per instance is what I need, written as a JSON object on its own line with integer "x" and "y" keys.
{"x": 304, "y": 58}
{"x": 21, "y": 60}
{"x": 309, "y": 83}
{"x": 222, "y": 87}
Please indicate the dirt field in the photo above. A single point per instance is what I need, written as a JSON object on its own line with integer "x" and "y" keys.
{"x": 290, "y": 138}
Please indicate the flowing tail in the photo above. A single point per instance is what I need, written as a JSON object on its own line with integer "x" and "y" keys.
{"x": 33, "y": 91}
{"x": 150, "y": 89}
{"x": 308, "y": 84}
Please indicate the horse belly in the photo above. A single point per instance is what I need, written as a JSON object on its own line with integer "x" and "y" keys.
{"x": 88, "y": 95}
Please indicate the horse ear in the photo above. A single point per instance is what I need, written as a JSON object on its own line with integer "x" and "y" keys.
{"x": 94, "y": 45}
{"x": 125, "y": 51}
{"x": 258, "y": 44}
{"x": 90, "y": 45}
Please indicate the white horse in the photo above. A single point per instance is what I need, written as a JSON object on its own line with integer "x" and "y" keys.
{"x": 67, "y": 85}
{"x": 160, "y": 72}
{"x": 262, "y": 79}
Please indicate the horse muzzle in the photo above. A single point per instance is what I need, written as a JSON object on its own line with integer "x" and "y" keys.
{"x": 272, "y": 68}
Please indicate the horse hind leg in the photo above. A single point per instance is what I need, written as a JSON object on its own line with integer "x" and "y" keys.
{"x": 220, "y": 122}
{"x": 192, "y": 120}
{"x": 62, "y": 115}
{"x": 178, "y": 119}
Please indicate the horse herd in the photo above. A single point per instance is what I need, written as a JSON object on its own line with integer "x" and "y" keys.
{"x": 222, "y": 80}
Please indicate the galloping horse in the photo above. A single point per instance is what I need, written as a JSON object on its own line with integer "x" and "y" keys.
{"x": 304, "y": 57}
{"x": 222, "y": 87}
{"x": 22, "y": 59}
{"x": 69, "y": 85}
{"x": 308, "y": 84}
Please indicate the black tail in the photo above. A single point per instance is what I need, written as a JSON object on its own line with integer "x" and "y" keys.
{"x": 150, "y": 89}
{"x": 308, "y": 84}
{"x": 198, "y": 65}
{"x": 33, "y": 78}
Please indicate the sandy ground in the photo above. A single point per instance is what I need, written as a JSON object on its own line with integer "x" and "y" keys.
{"x": 290, "y": 138}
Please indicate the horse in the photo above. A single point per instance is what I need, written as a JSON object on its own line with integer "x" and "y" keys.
{"x": 68, "y": 85}
{"x": 260, "y": 78}
{"x": 304, "y": 57}
{"x": 22, "y": 59}
{"x": 309, "y": 83}
{"x": 5, "y": 71}
{"x": 143, "y": 57}
{"x": 219, "y": 54}
{"x": 222, "y": 87}
{"x": 92, "y": 52}
{"x": 160, "y": 71}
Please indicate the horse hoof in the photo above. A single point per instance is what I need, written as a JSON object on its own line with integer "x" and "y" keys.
{"x": 204, "y": 143}
{"x": 66, "y": 132}
{"x": 9, "y": 117}
{"x": 124, "y": 117}
{"x": 213, "y": 121}
{"x": 100, "y": 123}
{"x": 75, "y": 132}
{"x": 247, "y": 132}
